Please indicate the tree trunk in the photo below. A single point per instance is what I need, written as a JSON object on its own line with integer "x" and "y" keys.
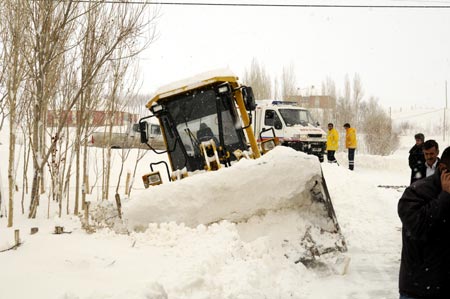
{"x": 77, "y": 164}
{"x": 34, "y": 195}
{"x": 11, "y": 181}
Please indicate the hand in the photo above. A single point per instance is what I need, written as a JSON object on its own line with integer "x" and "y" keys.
{"x": 445, "y": 180}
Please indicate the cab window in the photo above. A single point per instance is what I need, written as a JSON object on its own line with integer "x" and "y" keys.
{"x": 270, "y": 118}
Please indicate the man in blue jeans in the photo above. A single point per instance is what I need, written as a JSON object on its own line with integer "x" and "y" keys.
{"x": 424, "y": 210}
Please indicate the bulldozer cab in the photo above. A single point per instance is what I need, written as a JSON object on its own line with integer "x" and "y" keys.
{"x": 204, "y": 108}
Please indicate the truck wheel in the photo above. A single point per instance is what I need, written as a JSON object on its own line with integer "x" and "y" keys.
{"x": 321, "y": 159}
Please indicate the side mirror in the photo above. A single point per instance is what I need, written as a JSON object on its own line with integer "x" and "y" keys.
{"x": 143, "y": 130}
{"x": 278, "y": 125}
{"x": 317, "y": 124}
{"x": 249, "y": 98}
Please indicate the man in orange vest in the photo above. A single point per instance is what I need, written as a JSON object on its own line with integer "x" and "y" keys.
{"x": 350, "y": 144}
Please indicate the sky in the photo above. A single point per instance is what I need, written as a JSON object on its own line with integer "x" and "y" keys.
{"x": 402, "y": 55}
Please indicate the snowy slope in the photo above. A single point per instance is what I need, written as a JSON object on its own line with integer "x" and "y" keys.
{"x": 254, "y": 258}
{"x": 223, "y": 260}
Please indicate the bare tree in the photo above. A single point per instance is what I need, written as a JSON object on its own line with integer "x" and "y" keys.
{"x": 5, "y": 33}
{"x": 14, "y": 73}
{"x": 121, "y": 96}
{"x": 258, "y": 78}
{"x": 345, "y": 110}
{"x": 137, "y": 106}
{"x": 288, "y": 81}
{"x": 358, "y": 94}
{"x": 53, "y": 41}
{"x": 329, "y": 89}
{"x": 90, "y": 96}
{"x": 276, "y": 90}
{"x": 380, "y": 137}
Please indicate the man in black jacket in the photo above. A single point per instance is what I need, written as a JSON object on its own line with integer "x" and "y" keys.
{"x": 424, "y": 210}
{"x": 431, "y": 152}
{"x": 416, "y": 159}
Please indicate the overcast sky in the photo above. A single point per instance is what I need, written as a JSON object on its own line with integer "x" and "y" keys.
{"x": 401, "y": 54}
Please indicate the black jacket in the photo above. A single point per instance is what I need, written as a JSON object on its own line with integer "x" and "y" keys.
{"x": 424, "y": 210}
{"x": 416, "y": 161}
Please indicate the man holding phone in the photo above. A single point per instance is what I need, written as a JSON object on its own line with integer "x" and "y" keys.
{"x": 424, "y": 210}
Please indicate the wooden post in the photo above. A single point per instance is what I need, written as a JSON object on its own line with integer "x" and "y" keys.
{"x": 119, "y": 205}
{"x": 127, "y": 183}
{"x": 17, "y": 238}
{"x": 59, "y": 230}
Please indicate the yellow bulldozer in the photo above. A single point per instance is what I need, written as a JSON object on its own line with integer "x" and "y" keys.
{"x": 204, "y": 121}
{"x": 206, "y": 126}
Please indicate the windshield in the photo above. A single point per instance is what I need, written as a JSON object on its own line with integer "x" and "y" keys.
{"x": 197, "y": 117}
{"x": 205, "y": 128}
{"x": 196, "y": 120}
{"x": 294, "y": 117}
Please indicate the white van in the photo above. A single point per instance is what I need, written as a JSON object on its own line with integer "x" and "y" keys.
{"x": 293, "y": 125}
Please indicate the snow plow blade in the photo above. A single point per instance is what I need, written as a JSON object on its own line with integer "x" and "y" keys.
{"x": 245, "y": 192}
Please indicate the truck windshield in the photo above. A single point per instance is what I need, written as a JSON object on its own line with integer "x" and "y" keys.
{"x": 294, "y": 117}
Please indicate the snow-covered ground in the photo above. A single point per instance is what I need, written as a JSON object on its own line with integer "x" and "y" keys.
{"x": 247, "y": 259}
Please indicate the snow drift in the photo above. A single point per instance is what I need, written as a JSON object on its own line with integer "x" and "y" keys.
{"x": 280, "y": 194}
{"x": 235, "y": 193}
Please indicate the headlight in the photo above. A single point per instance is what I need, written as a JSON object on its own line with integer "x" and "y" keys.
{"x": 155, "y": 109}
{"x": 224, "y": 88}
{"x": 303, "y": 136}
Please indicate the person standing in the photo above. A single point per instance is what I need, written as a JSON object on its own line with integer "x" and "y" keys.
{"x": 350, "y": 144}
{"x": 431, "y": 152}
{"x": 416, "y": 159}
{"x": 332, "y": 143}
{"x": 424, "y": 210}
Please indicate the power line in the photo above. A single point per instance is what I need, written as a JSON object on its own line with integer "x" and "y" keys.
{"x": 423, "y": 1}
{"x": 138, "y": 2}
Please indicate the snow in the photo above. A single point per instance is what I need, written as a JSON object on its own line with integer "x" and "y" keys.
{"x": 177, "y": 254}
{"x": 234, "y": 193}
{"x": 192, "y": 82}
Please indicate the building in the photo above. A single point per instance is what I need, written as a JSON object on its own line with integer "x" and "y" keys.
{"x": 314, "y": 101}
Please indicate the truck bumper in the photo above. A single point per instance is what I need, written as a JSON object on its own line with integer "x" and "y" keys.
{"x": 312, "y": 148}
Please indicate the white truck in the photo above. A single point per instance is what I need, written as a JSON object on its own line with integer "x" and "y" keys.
{"x": 293, "y": 125}
{"x": 128, "y": 137}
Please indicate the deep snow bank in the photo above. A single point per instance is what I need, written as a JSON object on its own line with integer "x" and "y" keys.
{"x": 235, "y": 193}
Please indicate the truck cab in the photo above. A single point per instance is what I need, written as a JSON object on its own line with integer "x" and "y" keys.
{"x": 292, "y": 124}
